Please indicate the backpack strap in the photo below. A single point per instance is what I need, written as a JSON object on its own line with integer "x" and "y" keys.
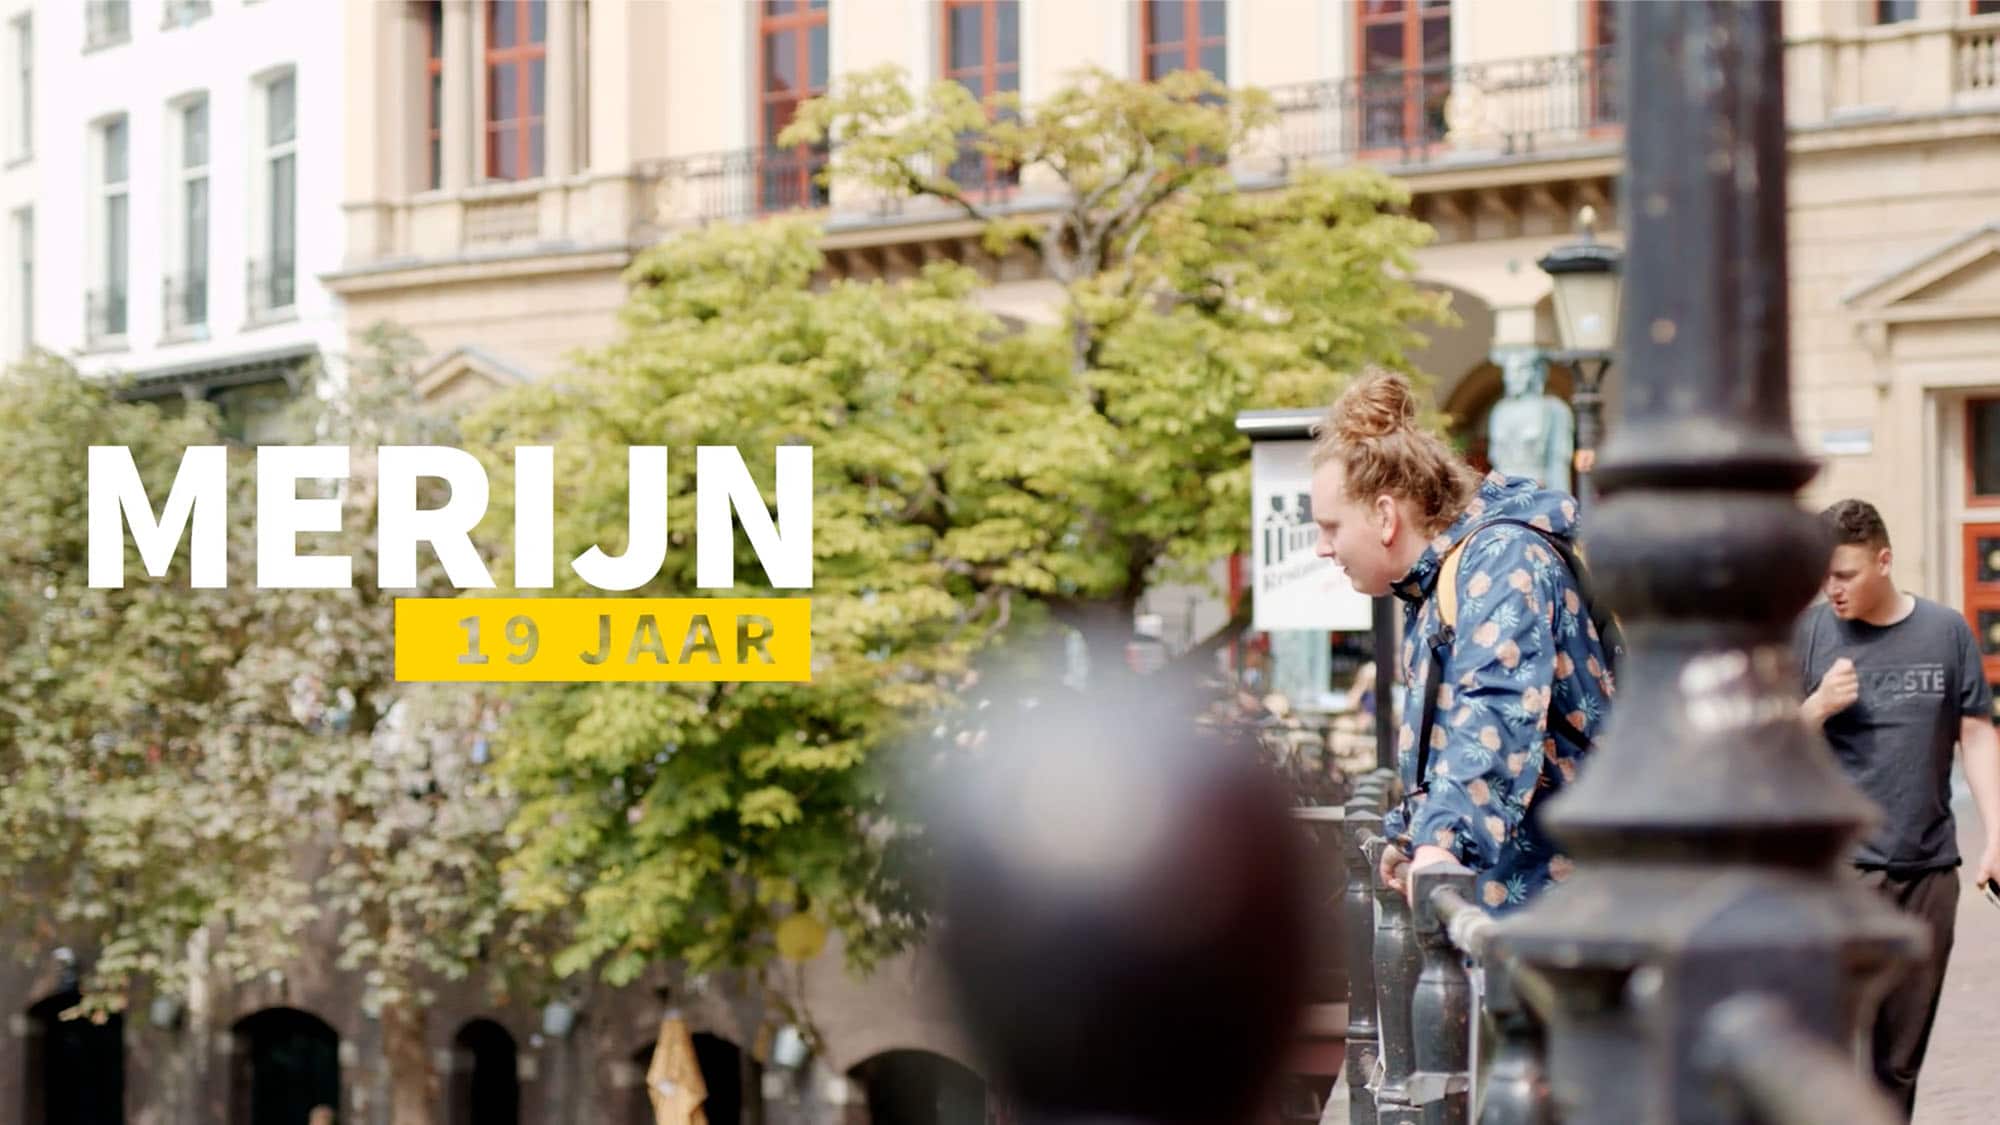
{"x": 1440, "y": 644}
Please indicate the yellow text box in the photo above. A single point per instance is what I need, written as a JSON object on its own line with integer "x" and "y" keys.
{"x": 569, "y": 640}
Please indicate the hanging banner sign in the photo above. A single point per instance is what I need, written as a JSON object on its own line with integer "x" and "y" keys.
{"x": 1294, "y": 588}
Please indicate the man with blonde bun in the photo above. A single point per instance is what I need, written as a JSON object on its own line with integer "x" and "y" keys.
{"x": 1507, "y": 657}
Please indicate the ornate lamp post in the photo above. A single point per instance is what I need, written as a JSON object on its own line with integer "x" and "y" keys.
{"x": 1709, "y": 829}
{"x": 1585, "y": 275}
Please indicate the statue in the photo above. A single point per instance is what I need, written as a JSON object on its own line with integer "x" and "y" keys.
{"x": 1530, "y": 433}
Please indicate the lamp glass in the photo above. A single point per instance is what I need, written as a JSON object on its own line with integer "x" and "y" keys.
{"x": 1587, "y": 309}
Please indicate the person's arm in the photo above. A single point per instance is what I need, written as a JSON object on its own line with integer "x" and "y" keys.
{"x": 1979, "y": 752}
{"x": 1979, "y": 747}
{"x": 1486, "y": 755}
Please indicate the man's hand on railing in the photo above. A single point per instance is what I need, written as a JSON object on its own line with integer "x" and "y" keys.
{"x": 1397, "y": 867}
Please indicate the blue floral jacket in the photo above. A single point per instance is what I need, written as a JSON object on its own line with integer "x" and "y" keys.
{"x": 1524, "y": 643}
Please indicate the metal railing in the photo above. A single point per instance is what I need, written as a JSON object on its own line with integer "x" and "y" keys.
{"x": 273, "y": 286}
{"x": 1426, "y": 973}
{"x": 1510, "y": 107}
{"x": 742, "y": 184}
{"x": 184, "y": 303}
{"x": 104, "y": 314}
{"x": 106, "y": 23}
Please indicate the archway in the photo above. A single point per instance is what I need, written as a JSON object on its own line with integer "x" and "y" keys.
{"x": 75, "y": 1068}
{"x": 287, "y": 1062}
{"x": 921, "y": 1088}
{"x": 730, "y": 1075}
{"x": 485, "y": 1076}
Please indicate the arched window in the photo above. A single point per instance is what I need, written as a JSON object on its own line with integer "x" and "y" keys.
{"x": 75, "y": 1068}
{"x": 287, "y": 1063}
{"x": 485, "y": 1076}
{"x": 921, "y": 1088}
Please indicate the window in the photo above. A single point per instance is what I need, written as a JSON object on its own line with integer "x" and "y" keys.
{"x": 273, "y": 284}
{"x": 181, "y": 13}
{"x": 186, "y": 291}
{"x": 792, "y": 68}
{"x": 1895, "y": 11}
{"x": 517, "y": 33}
{"x": 1183, "y": 35}
{"x": 434, "y": 92}
{"x": 21, "y": 127}
{"x": 1405, "y": 68}
{"x": 24, "y": 277}
{"x": 106, "y": 23}
{"x": 1600, "y": 64}
{"x": 105, "y": 304}
{"x": 982, "y": 52}
{"x": 1986, "y": 8}
{"x": 1983, "y": 443}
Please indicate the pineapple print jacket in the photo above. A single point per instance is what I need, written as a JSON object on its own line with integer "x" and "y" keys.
{"x": 1523, "y": 643}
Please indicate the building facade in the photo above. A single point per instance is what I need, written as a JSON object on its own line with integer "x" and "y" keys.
{"x": 205, "y": 138}
{"x": 481, "y": 172}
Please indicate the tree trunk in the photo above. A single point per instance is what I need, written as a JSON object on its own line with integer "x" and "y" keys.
{"x": 410, "y": 1085}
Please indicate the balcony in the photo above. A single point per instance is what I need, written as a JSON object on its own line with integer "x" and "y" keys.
{"x": 273, "y": 289}
{"x": 184, "y": 306}
{"x": 104, "y": 316}
{"x": 1510, "y": 109}
{"x": 743, "y": 184}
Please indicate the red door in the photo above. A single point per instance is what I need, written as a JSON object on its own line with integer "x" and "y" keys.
{"x": 1982, "y": 597}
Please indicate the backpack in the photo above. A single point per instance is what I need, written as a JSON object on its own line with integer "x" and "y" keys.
{"x": 1609, "y": 635}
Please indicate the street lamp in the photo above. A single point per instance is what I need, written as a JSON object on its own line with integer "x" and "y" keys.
{"x": 1584, "y": 275}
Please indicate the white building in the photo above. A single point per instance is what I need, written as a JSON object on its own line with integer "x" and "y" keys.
{"x": 171, "y": 188}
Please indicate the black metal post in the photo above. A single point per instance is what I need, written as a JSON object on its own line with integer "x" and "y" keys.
{"x": 1708, "y": 830}
{"x": 1517, "y": 1082}
{"x": 1587, "y": 398}
{"x": 1441, "y": 1008}
{"x": 1396, "y": 970}
{"x": 1383, "y": 622}
{"x": 1364, "y": 819}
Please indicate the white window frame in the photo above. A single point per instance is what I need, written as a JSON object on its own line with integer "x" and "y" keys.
{"x": 21, "y": 229}
{"x": 182, "y": 177}
{"x": 104, "y": 191}
{"x": 21, "y": 75}
{"x": 96, "y": 24}
{"x": 264, "y": 155}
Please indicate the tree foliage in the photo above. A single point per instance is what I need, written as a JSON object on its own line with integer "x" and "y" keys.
{"x": 971, "y": 480}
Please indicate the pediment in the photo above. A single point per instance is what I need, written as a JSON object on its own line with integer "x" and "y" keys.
{"x": 466, "y": 373}
{"x": 1963, "y": 273}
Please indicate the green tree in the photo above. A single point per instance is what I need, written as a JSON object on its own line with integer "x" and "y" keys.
{"x": 1185, "y": 298}
{"x": 191, "y": 779}
{"x": 970, "y": 482}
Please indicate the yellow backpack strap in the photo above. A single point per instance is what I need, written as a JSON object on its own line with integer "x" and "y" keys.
{"x": 1447, "y": 585}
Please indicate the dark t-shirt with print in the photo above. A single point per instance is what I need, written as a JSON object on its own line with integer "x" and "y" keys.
{"x": 1918, "y": 678}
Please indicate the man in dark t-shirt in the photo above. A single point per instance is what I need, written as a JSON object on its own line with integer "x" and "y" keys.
{"x": 1895, "y": 681}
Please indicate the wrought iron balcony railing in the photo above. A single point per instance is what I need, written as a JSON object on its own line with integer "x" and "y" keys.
{"x": 184, "y": 303}
{"x": 743, "y": 184}
{"x": 1506, "y": 108}
{"x": 273, "y": 287}
{"x": 104, "y": 314}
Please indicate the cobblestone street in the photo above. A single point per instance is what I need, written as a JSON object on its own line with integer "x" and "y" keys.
{"x": 1961, "y": 1077}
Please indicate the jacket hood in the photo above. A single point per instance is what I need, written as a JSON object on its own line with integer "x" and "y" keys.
{"x": 1498, "y": 498}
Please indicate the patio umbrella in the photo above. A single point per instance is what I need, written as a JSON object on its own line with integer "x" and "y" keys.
{"x": 673, "y": 1081}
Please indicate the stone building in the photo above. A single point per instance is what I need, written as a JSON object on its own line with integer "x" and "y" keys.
{"x": 501, "y": 163}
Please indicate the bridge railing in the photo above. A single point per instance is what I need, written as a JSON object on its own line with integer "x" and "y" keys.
{"x": 1433, "y": 991}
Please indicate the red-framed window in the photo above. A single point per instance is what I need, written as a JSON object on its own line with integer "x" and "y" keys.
{"x": 517, "y": 48}
{"x": 791, "y": 68}
{"x": 980, "y": 47}
{"x": 1183, "y": 35}
{"x": 434, "y": 92}
{"x": 1404, "y": 60}
{"x": 1602, "y": 104}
